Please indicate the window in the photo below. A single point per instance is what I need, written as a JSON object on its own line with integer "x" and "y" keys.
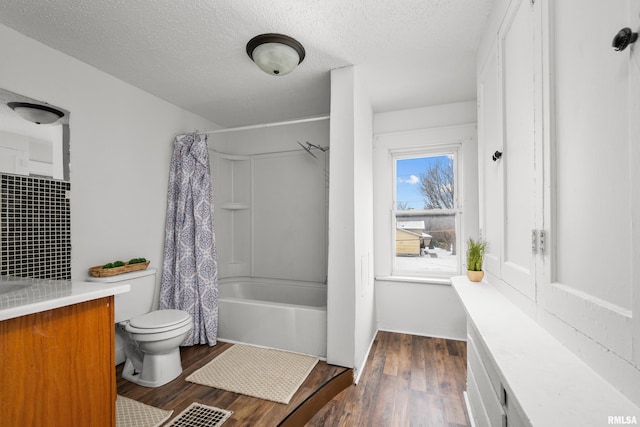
{"x": 426, "y": 213}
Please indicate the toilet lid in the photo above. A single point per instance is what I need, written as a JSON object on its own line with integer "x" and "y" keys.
{"x": 159, "y": 319}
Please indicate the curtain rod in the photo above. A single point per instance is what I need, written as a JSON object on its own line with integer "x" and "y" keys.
{"x": 266, "y": 125}
{"x": 256, "y": 154}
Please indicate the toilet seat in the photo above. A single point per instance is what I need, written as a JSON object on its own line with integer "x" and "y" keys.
{"x": 158, "y": 321}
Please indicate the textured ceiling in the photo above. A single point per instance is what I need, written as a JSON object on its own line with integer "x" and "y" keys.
{"x": 410, "y": 53}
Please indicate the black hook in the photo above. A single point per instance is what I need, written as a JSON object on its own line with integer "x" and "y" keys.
{"x": 496, "y": 156}
{"x": 623, "y": 39}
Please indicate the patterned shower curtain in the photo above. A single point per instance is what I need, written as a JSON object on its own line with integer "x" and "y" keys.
{"x": 190, "y": 272}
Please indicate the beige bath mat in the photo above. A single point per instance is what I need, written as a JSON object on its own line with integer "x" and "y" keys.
{"x": 130, "y": 413}
{"x": 255, "y": 371}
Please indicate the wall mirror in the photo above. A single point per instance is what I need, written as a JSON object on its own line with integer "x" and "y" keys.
{"x": 30, "y": 148}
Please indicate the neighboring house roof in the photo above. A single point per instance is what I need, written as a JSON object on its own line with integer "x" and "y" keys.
{"x": 413, "y": 225}
{"x": 421, "y": 235}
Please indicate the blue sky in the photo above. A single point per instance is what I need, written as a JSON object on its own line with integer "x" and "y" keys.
{"x": 408, "y": 172}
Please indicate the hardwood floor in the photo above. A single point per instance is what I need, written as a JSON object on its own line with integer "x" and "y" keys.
{"x": 408, "y": 381}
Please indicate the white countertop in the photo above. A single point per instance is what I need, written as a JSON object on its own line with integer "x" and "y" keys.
{"x": 551, "y": 384}
{"x": 22, "y": 296}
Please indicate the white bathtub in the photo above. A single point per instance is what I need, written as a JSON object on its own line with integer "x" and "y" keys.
{"x": 279, "y": 314}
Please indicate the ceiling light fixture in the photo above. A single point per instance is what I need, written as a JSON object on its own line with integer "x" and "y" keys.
{"x": 275, "y": 54}
{"x": 39, "y": 114}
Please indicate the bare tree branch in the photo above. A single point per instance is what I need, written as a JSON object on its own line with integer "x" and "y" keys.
{"x": 436, "y": 185}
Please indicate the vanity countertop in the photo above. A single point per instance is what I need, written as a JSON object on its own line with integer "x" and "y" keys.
{"x": 552, "y": 385}
{"x": 23, "y": 296}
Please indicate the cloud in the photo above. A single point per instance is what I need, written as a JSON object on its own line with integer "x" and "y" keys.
{"x": 411, "y": 180}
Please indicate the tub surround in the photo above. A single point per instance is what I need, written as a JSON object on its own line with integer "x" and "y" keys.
{"x": 23, "y": 296}
{"x": 520, "y": 373}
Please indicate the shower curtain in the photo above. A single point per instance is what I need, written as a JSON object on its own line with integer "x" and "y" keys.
{"x": 189, "y": 272}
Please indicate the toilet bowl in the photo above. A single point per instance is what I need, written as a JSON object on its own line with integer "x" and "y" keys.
{"x": 153, "y": 352}
{"x": 147, "y": 341}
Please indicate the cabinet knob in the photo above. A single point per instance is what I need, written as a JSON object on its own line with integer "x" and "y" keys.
{"x": 496, "y": 156}
{"x": 623, "y": 39}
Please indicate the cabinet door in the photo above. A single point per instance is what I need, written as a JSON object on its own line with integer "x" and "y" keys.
{"x": 517, "y": 49}
{"x": 58, "y": 367}
{"x": 490, "y": 142}
{"x": 594, "y": 203}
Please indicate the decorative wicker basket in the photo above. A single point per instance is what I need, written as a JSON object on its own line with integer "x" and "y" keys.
{"x": 98, "y": 271}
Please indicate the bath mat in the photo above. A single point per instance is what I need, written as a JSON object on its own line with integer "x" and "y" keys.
{"x": 259, "y": 372}
{"x": 199, "y": 415}
{"x": 130, "y": 413}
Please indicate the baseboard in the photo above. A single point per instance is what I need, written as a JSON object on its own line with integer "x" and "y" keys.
{"x": 358, "y": 370}
{"x": 423, "y": 335}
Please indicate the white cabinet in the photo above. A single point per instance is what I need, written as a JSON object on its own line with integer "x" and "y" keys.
{"x": 483, "y": 384}
{"x": 519, "y": 169}
{"x": 560, "y": 207}
{"x": 490, "y": 147}
{"x": 491, "y": 404}
{"x": 510, "y": 193}
{"x": 590, "y": 281}
{"x": 520, "y": 375}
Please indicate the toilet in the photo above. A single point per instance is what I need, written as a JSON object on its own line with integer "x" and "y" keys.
{"x": 147, "y": 340}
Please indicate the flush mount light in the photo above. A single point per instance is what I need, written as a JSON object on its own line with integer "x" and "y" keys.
{"x": 39, "y": 114}
{"x": 275, "y": 54}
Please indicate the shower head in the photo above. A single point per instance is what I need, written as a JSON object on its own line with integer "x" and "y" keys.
{"x": 307, "y": 148}
{"x": 317, "y": 147}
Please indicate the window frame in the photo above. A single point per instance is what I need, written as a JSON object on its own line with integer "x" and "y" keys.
{"x": 432, "y": 150}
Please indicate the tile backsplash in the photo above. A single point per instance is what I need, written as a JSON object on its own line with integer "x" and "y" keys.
{"x": 35, "y": 227}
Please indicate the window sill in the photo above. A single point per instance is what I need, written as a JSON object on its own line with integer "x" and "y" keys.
{"x": 413, "y": 279}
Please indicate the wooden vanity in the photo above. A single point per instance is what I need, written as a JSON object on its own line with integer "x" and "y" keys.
{"x": 57, "y": 362}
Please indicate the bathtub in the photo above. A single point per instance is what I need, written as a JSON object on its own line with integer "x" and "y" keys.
{"x": 278, "y": 314}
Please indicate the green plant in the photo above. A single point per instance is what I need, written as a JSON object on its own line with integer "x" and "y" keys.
{"x": 475, "y": 254}
{"x": 114, "y": 264}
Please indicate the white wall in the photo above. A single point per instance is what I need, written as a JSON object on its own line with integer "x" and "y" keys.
{"x": 121, "y": 145}
{"x": 407, "y": 306}
{"x": 457, "y": 113}
{"x": 350, "y": 305}
{"x": 365, "y": 315}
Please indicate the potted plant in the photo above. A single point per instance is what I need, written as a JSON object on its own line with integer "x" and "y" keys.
{"x": 475, "y": 256}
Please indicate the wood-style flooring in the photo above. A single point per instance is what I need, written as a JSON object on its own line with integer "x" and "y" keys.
{"x": 408, "y": 381}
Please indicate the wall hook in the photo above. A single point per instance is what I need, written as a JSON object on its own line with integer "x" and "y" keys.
{"x": 623, "y": 39}
{"x": 496, "y": 156}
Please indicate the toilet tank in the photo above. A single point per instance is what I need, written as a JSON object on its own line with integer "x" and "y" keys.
{"x": 139, "y": 300}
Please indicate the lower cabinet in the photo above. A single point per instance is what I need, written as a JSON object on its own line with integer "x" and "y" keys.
{"x": 57, "y": 367}
{"x": 491, "y": 404}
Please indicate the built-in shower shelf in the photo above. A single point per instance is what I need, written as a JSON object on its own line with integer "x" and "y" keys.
{"x": 235, "y": 206}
